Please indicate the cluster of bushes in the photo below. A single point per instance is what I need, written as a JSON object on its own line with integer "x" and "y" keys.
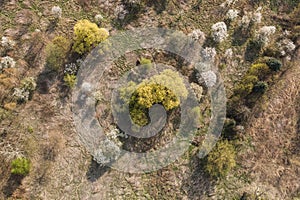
{"x": 255, "y": 79}
{"x": 87, "y": 35}
{"x": 222, "y": 158}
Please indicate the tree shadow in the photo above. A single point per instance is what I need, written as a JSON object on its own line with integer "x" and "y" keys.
{"x": 240, "y": 36}
{"x": 159, "y": 6}
{"x": 12, "y": 184}
{"x": 199, "y": 185}
{"x": 95, "y": 171}
{"x": 45, "y": 80}
{"x": 253, "y": 50}
{"x": 52, "y": 25}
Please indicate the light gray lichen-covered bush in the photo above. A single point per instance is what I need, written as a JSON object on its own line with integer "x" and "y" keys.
{"x": 107, "y": 152}
{"x": 264, "y": 33}
{"x": 208, "y": 54}
{"x": 219, "y": 32}
{"x": 197, "y": 35}
{"x": 228, "y": 53}
{"x": 210, "y": 78}
{"x": 232, "y": 14}
{"x": 98, "y": 18}
{"x": 228, "y": 3}
{"x": 7, "y": 43}
{"x": 56, "y": 11}
{"x": 7, "y": 62}
{"x": 257, "y": 16}
{"x": 121, "y": 12}
{"x": 286, "y": 46}
{"x": 23, "y": 93}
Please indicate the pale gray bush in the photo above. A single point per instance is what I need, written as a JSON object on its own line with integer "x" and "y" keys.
{"x": 219, "y": 31}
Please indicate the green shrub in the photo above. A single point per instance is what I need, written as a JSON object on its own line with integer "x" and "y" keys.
{"x": 56, "y": 52}
{"x": 254, "y": 48}
{"x": 221, "y": 159}
{"x": 260, "y": 87}
{"x": 274, "y": 64}
{"x": 70, "y": 80}
{"x": 145, "y": 61}
{"x": 246, "y": 85}
{"x": 87, "y": 35}
{"x": 20, "y": 166}
{"x": 228, "y": 129}
{"x": 261, "y": 70}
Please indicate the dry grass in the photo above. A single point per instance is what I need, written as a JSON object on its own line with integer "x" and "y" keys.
{"x": 274, "y": 132}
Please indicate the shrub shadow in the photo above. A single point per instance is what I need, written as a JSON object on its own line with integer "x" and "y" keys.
{"x": 199, "y": 185}
{"x": 12, "y": 184}
{"x": 95, "y": 171}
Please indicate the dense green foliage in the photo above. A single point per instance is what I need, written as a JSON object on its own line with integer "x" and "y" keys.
{"x": 221, "y": 160}
{"x": 87, "y": 35}
{"x": 274, "y": 64}
{"x": 256, "y": 74}
{"x": 260, "y": 87}
{"x": 20, "y": 166}
{"x": 56, "y": 52}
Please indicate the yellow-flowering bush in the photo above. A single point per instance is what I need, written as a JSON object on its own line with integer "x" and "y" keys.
{"x": 147, "y": 95}
{"x": 165, "y": 88}
{"x": 87, "y": 35}
{"x": 246, "y": 86}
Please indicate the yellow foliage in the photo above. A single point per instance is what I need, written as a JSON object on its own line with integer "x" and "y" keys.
{"x": 87, "y": 35}
{"x": 10, "y": 106}
{"x": 246, "y": 86}
{"x": 221, "y": 159}
{"x": 165, "y": 88}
